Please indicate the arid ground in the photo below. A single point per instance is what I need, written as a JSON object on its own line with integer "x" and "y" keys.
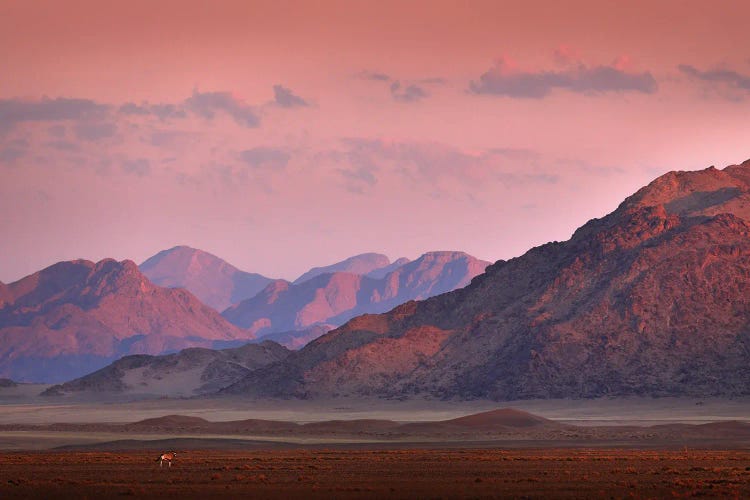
{"x": 394, "y": 473}
{"x": 642, "y": 448}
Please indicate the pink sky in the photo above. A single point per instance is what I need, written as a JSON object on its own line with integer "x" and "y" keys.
{"x": 283, "y": 135}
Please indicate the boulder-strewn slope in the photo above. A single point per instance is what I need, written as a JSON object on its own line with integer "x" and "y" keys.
{"x": 215, "y": 282}
{"x": 334, "y": 298}
{"x": 653, "y": 299}
{"x": 190, "y": 372}
{"x": 75, "y": 317}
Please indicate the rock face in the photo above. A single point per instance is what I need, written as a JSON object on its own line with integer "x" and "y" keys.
{"x": 215, "y": 282}
{"x": 362, "y": 264}
{"x": 653, "y": 299}
{"x": 190, "y": 372}
{"x": 334, "y": 298}
{"x": 75, "y": 317}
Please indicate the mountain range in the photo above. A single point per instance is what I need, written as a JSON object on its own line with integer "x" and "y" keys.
{"x": 220, "y": 285}
{"x": 374, "y": 265}
{"x": 652, "y": 299}
{"x": 332, "y": 298}
{"x": 77, "y": 316}
{"x": 214, "y": 281}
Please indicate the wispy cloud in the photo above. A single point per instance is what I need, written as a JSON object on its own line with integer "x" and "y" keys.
{"x": 208, "y": 104}
{"x": 95, "y": 131}
{"x": 722, "y": 79}
{"x": 11, "y": 153}
{"x": 285, "y": 98}
{"x": 58, "y": 131}
{"x": 265, "y": 158}
{"x": 408, "y": 93}
{"x": 139, "y": 166}
{"x": 16, "y": 111}
{"x": 504, "y": 79}
{"x": 62, "y": 145}
{"x": 364, "y": 163}
{"x": 162, "y": 111}
{"x": 373, "y": 75}
{"x": 729, "y": 77}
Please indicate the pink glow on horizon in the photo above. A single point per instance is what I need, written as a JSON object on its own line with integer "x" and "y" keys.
{"x": 282, "y": 135}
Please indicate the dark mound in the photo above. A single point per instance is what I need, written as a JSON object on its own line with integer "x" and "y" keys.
{"x": 503, "y": 417}
{"x": 171, "y": 422}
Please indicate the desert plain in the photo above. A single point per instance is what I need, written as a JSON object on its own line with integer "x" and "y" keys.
{"x": 355, "y": 448}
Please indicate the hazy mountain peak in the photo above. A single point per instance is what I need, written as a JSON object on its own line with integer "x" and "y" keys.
{"x": 214, "y": 281}
{"x": 358, "y": 264}
{"x": 332, "y": 298}
{"x": 383, "y": 271}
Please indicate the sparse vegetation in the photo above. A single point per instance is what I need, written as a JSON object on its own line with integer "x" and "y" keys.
{"x": 409, "y": 473}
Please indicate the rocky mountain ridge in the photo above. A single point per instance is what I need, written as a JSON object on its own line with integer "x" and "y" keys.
{"x": 362, "y": 264}
{"x": 334, "y": 298}
{"x": 651, "y": 299}
{"x": 77, "y": 316}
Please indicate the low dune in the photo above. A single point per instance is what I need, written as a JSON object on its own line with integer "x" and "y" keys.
{"x": 499, "y": 427}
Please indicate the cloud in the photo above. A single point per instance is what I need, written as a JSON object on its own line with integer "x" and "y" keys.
{"x": 285, "y": 98}
{"x": 171, "y": 138}
{"x": 62, "y": 145}
{"x": 409, "y": 93}
{"x": 58, "y": 131}
{"x": 729, "y": 78}
{"x": 140, "y": 167}
{"x": 61, "y": 108}
{"x": 445, "y": 169}
{"x": 207, "y": 104}
{"x": 433, "y": 81}
{"x": 373, "y": 75}
{"x": 358, "y": 178}
{"x": 11, "y": 154}
{"x": 131, "y": 108}
{"x": 162, "y": 111}
{"x": 265, "y": 158}
{"x": 95, "y": 131}
{"x": 359, "y": 164}
{"x": 16, "y": 111}
{"x": 505, "y": 80}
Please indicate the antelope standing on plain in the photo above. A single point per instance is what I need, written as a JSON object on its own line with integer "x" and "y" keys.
{"x": 166, "y": 457}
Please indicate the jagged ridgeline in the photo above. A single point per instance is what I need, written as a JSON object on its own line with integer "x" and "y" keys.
{"x": 652, "y": 299}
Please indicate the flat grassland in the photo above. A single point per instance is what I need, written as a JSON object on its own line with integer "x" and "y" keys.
{"x": 388, "y": 473}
